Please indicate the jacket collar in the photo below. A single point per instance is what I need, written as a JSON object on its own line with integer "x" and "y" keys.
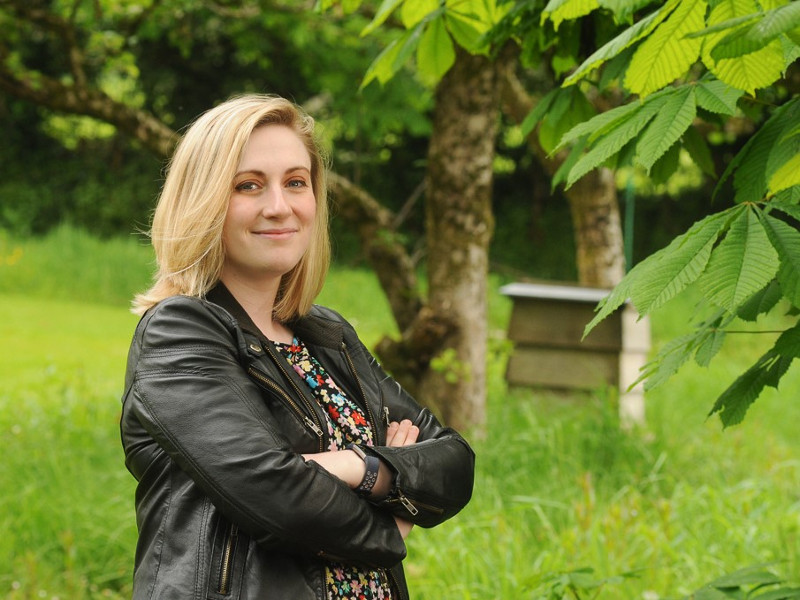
{"x": 313, "y": 328}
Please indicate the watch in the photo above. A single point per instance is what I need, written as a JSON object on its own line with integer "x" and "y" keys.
{"x": 371, "y": 475}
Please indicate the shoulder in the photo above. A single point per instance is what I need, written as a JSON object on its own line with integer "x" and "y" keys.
{"x": 181, "y": 317}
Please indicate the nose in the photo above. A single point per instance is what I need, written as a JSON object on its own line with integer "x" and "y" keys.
{"x": 275, "y": 205}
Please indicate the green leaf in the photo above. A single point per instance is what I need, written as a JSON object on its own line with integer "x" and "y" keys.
{"x": 625, "y": 39}
{"x": 542, "y": 106}
{"x": 614, "y": 139}
{"x": 666, "y": 166}
{"x": 752, "y": 71}
{"x": 788, "y": 207}
{"x": 563, "y": 10}
{"x": 782, "y": 593}
{"x": 675, "y": 353}
{"x": 768, "y": 27}
{"x": 681, "y": 263}
{"x": 790, "y": 195}
{"x": 601, "y": 123}
{"x": 761, "y": 302}
{"x": 755, "y": 575}
{"x": 393, "y": 57}
{"x": 435, "y": 52}
{"x": 698, "y": 149}
{"x": 664, "y": 274}
{"x": 384, "y": 10}
{"x": 763, "y": 154}
{"x": 666, "y": 54}
{"x": 788, "y": 343}
{"x": 718, "y": 97}
{"x": 724, "y": 26}
{"x": 672, "y": 120}
{"x": 733, "y": 403}
{"x": 786, "y": 241}
{"x": 467, "y": 31}
{"x": 742, "y": 264}
{"x": 570, "y": 107}
{"x": 786, "y": 176}
{"x": 623, "y": 9}
{"x": 573, "y": 157}
{"x": 710, "y": 347}
{"x": 411, "y": 13}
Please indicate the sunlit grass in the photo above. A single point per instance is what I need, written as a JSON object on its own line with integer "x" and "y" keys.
{"x": 559, "y": 485}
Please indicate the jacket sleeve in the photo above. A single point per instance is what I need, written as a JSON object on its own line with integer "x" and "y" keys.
{"x": 191, "y": 395}
{"x": 434, "y": 477}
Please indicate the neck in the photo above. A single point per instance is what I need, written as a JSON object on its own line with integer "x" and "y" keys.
{"x": 258, "y": 301}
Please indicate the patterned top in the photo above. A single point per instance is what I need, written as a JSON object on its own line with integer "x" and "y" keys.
{"x": 346, "y": 424}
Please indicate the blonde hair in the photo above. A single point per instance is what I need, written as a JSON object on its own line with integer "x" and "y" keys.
{"x": 186, "y": 232}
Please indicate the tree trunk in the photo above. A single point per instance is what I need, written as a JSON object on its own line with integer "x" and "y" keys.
{"x": 592, "y": 200}
{"x": 598, "y": 231}
{"x": 459, "y": 226}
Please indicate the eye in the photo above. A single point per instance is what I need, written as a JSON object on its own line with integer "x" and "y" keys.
{"x": 297, "y": 182}
{"x": 247, "y": 186}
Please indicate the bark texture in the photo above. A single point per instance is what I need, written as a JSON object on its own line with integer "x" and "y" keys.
{"x": 452, "y": 330}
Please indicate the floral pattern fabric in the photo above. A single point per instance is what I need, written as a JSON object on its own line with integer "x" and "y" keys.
{"x": 346, "y": 424}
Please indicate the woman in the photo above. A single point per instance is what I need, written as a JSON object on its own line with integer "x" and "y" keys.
{"x": 274, "y": 458}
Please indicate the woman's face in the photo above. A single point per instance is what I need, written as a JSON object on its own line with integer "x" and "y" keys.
{"x": 271, "y": 212}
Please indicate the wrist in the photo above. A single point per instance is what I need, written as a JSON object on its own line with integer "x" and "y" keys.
{"x": 370, "y": 471}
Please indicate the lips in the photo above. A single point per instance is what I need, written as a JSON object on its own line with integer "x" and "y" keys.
{"x": 276, "y": 233}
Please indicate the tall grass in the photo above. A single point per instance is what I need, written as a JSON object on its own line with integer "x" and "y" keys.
{"x": 559, "y": 484}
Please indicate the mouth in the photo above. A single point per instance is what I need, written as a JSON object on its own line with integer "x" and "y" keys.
{"x": 277, "y": 233}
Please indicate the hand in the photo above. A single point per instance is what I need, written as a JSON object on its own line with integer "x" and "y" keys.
{"x": 404, "y": 526}
{"x": 400, "y": 434}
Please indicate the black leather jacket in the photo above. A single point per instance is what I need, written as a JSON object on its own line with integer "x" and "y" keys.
{"x": 213, "y": 424}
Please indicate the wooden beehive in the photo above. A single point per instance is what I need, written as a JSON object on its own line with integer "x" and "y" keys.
{"x": 547, "y": 323}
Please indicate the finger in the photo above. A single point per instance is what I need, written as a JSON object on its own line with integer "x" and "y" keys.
{"x": 413, "y": 434}
{"x": 400, "y": 438}
{"x": 391, "y": 432}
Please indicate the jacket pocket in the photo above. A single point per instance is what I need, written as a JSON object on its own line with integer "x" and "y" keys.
{"x": 227, "y": 561}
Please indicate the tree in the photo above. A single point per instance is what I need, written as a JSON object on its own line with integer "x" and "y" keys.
{"x": 442, "y": 354}
{"x": 686, "y": 63}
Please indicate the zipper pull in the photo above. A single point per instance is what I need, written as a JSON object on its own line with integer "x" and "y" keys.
{"x": 407, "y": 503}
{"x": 313, "y": 426}
{"x": 386, "y": 415}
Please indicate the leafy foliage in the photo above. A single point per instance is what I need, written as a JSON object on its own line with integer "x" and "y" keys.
{"x": 432, "y": 30}
{"x": 690, "y": 61}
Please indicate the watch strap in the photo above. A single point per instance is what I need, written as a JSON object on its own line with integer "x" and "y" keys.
{"x": 373, "y": 463}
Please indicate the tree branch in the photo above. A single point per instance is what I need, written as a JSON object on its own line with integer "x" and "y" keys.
{"x": 73, "y": 99}
{"x": 382, "y": 246}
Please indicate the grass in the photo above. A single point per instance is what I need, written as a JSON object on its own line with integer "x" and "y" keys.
{"x": 559, "y": 486}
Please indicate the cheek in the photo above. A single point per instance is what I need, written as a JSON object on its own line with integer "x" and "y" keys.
{"x": 310, "y": 211}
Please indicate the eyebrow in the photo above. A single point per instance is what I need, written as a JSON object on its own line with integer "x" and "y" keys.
{"x": 261, "y": 173}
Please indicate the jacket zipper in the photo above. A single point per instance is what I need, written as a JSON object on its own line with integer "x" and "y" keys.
{"x": 304, "y": 418}
{"x": 227, "y": 561}
{"x": 317, "y": 423}
{"x": 412, "y": 507}
{"x": 393, "y": 583}
{"x": 371, "y": 417}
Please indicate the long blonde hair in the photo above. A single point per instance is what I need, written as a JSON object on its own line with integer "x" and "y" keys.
{"x": 186, "y": 232}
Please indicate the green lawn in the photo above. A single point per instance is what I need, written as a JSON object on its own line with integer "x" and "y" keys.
{"x": 559, "y": 486}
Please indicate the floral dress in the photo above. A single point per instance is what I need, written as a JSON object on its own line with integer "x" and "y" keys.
{"x": 346, "y": 424}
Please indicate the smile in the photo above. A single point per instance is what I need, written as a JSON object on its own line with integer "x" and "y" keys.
{"x": 276, "y": 234}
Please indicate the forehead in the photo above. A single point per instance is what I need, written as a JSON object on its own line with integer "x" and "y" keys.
{"x": 275, "y": 144}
